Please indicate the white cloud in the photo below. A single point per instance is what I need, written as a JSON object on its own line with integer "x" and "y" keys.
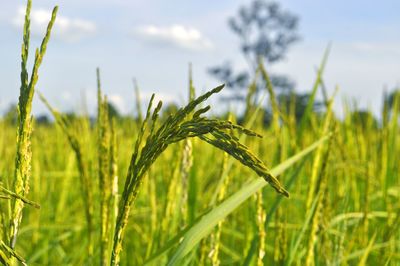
{"x": 65, "y": 28}
{"x": 178, "y": 35}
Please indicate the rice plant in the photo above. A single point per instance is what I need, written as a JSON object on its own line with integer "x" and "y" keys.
{"x": 22, "y": 173}
{"x": 186, "y": 188}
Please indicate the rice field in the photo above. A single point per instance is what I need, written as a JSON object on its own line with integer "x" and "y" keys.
{"x": 189, "y": 188}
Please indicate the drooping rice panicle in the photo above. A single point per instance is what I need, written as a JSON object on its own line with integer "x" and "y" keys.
{"x": 178, "y": 127}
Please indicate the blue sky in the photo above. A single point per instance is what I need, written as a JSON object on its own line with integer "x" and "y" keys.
{"x": 155, "y": 40}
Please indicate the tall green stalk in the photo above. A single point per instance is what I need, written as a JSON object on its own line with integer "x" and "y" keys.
{"x": 105, "y": 174}
{"x": 23, "y": 158}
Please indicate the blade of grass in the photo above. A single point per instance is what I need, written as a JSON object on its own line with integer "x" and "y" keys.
{"x": 364, "y": 258}
{"x": 309, "y": 107}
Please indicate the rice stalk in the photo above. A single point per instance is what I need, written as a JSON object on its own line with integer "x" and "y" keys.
{"x": 280, "y": 247}
{"x": 316, "y": 219}
{"x": 114, "y": 184}
{"x": 83, "y": 168}
{"x": 261, "y": 216}
{"x": 170, "y": 220}
{"x": 250, "y": 105}
{"x": 272, "y": 97}
{"x": 105, "y": 167}
{"x": 186, "y": 163}
{"x": 317, "y": 160}
{"x": 308, "y": 110}
{"x": 23, "y": 157}
{"x": 216, "y": 235}
{"x": 319, "y": 168}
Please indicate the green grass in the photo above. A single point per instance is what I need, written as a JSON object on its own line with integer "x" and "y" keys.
{"x": 191, "y": 189}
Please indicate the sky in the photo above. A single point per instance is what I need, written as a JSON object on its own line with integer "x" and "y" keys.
{"x": 153, "y": 41}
